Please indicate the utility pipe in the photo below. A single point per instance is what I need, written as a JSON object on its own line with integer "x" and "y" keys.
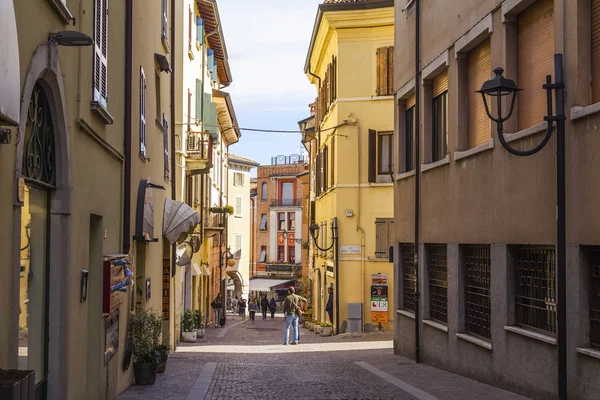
{"x": 128, "y": 122}
{"x": 417, "y": 183}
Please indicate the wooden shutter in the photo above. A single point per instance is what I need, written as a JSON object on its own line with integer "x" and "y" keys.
{"x": 198, "y": 100}
{"x": 411, "y": 101}
{"x": 166, "y": 144}
{"x": 190, "y": 22}
{"x": 390, "y": 71}
{"x": 535, "y": 60}
{"x": 325, "y": 168}
{"x": 142, "y": 112}
{"x": 440, "y": 84}
{"x": 372, "y": 156}
{"x": 334, "y": 78}
{"x": 595, "y": 51}
{"x": 165, "y": 16}
{"x": 101, "y": 52}
{"x": 328, "y": 85}
{"x": 479, "y": 66}
{"x": 382, "y": 70}
{"x": 332, "y": 160}
{"x": 200, "y": 30}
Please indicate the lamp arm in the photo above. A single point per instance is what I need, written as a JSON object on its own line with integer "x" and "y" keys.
{"x": 327, "y": 249}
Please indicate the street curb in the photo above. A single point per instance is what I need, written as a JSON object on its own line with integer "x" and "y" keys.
{"x": 399, "y": 383}
{"x": 202, "y": 384}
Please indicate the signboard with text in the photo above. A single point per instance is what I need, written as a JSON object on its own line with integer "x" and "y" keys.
{"x": 379, "y": 298}
{"x": 166, "y": 289}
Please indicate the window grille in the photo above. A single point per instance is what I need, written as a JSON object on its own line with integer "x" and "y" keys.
{"x": 409, "y": 276}
{"x": 477, "y": 290}
{"x": 535, "y": 288}
{"x": 438, "y": 282}
{"x": 595, "y": 299}
{"x": 384, "y": 236}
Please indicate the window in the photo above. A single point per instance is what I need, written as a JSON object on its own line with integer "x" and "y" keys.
{"x": 263, "y": 254}
{"x": 438, "y": 283}
{"x": 595, "y": 299}
{"x": 199, "y": 31}
{"x": 327, "y": 91}
{"x": 165, "y": 20}
{"x": 238, "y": 246}
{"x": 199, "y": 98}
{"x": 385, "y": 157}
{"x": 535, "y": 52}
{"x": 291, "y": 222}
{"x": 190, "y": 21}
{"x": 263, "y": 222}
{"x": 595, "y": 51}
{"x": 385, "y": 71}
{"x": 439, "y": 140}
{"x": 479, "y": 65}
{"x": 287, "y": 194}
{"x": 166, "y": 145}
{"x": 324, "y": 169}
{"x": 238, "y": 179}
{"x": 142, "y": 113}
{"x": 101, "y": 52}
{"x": 409, "y": 134}
{"x": 409, "y": 276}
{"x": 384, "y": 235}
{"x": 477, "y": 290}
{"x": 263, "y": 191}
{"x": 281, "y": 219}
{"x": 535, "y": 282}
{"x": 158, "y": 96}
{"x": 238, "y": 206}
{"x": 332, "y": 162}
{"x": 280, "y": 254}
{"x": 292, "y": 254}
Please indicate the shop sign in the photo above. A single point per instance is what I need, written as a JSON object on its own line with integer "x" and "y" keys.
{"x": 116, "y": 278}
{"x": 379, "y": 293}
{"x": 379, "y": 279}
{"x": 379, "y": 306}
{"x": 380, "y": 317}
{"x": 166, "y": 289}
{"x": 111, "y": 336}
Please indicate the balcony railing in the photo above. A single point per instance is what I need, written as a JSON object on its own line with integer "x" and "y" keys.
{"x": 286, "y": 202}
{"x": 199, "y": 149}
{"x": 288, "y": 268}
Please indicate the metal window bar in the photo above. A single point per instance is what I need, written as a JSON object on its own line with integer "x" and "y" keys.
{"x": 477, "y": 290}
{"x": 409, "y": 280}
{"x": 595, "y": 299}
{"x": 535, "y": 288}
{"x": 438, "y": 283}
{"x": 383, "y": 233}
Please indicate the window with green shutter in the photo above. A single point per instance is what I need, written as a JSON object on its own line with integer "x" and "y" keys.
{"x": 200, "y": 30}
{"x": 198, "y": 100}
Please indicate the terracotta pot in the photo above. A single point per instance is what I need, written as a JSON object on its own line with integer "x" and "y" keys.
{"x": 145, "y": 373}
{"x": 326, "y": 330}
{"x": 189, "y": 337}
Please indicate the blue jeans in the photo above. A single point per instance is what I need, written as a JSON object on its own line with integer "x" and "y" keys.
{"x": 291, "y": 320}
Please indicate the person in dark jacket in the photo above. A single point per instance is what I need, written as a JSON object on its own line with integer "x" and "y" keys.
{"x": 218, "y": 305}
{"x": 329, "y": 305}
{"x": 273, "y": 307}
{"x": 264, "y": 305}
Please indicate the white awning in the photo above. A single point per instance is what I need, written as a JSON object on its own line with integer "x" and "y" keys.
{"x": 178, "y": 218}
{"x": 265, "y": 285}
{"x": 10, "y": 84}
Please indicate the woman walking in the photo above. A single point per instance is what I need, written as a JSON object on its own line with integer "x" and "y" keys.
{"x": 253, "y": 309}
{"x": 273, "y": 307}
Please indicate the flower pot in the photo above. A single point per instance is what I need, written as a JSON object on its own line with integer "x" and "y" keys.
{"x": 17, "y": 384}
{"x": 189, "y": 337}
{"x": 317, "y": 329}
{"x": 200, "y": 333}
{"x": 310, "y": 326}
{"x": 145, "y": 373}
{"x": 162, "y": 363}
{"x": 326, "y": 330}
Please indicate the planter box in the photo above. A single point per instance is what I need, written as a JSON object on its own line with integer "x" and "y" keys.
{"x": 17, "y": 384}
{"x": 189, "y": 337}
{"x": 317, "y": 329}
{"x": 145, "y": 373}
{"x": 162, "y": 364}
{"x": 200, "y": 333}
{"x": 326, "y": 331}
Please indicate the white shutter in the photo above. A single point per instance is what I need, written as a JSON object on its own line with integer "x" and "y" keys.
{"x": 165, "y": 23}
{"x": 142, "y": 112}
{"x": 101, "y": 51}
{"x": 166, "y": 144}
{"x": 238, "y": 206}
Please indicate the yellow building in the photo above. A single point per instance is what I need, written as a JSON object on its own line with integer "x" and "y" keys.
{"x": 350, "y": 63}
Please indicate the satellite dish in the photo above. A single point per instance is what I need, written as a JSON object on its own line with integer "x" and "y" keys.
{"x": 184, "y": 254}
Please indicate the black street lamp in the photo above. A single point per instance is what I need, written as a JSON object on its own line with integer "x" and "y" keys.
{"x": 314, "y": 234}
{"x": 228, "y": 257}
{"x": 500, "y": 87}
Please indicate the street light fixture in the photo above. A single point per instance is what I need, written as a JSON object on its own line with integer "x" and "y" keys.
{"x": 500, "y": 87}
{"x": 314, "y": 229}
{"x": 70, "y": 38}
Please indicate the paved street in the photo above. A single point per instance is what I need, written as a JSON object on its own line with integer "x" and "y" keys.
{"x": 249, "y": 361}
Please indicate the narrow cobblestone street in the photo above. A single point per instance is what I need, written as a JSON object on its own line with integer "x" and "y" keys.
{"x": 249, "y": 361}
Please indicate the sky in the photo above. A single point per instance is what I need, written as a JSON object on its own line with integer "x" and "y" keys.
{"x": 267, "y": 42}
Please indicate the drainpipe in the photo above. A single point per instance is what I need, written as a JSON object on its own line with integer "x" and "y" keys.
{"x": 359, "y": 228}
{"x": 173, "y": 155}
{"x": 417, "y": 185}
{"x": 128, "y": 122}
{"x": 252, "y": 249}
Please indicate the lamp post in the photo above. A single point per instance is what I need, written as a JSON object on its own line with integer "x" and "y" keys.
{"x": 500, "y": 87}
{"x": 228, "y": 257}
{"x": 314, "y": 233}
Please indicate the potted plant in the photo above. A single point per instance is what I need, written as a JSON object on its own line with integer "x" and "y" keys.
{"x": 147, "y": 326}
{"x": 326, "y": 328}
{"x": 222, "y": 210}
{"x": 163, "y": 355}
{"x": 317, "y": 329}
{"x": 188, "y": 325}
{"x": 310, "y": 325}
{"x": 199, "y": 323}
{"x": 17, "y": 384}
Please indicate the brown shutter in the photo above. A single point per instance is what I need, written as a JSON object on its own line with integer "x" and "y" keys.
{"x": 440, "y": 84}
{"x": 390, "y": 72}
{"x": 535, "y": 60}
{"x": 480, "y": 66}
{"x": 595, "y": 51}
{"x": 411, "y": 101}
{"x": 334, "y": 79}
{"x": 332, "y": 160}
{"x": 382, "y": 65}
{"x": 372, "y": 156}
{"x": 325, "y": 168}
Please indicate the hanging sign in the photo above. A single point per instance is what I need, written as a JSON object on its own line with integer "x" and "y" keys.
{"x": 166, "y": 289}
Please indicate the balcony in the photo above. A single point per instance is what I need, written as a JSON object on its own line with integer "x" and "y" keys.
{"x": 199, "y": 150}
{"x": 213, "y": 223}
{"x": 286, "y": 202}
{"x": 288, "y": 269}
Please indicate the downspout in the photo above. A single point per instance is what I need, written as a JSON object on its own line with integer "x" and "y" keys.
{"x": 417, "y": 185}
{"x": 173, "y": 155}
{"x": 362, "y": 231}
{"x": 252, "y": 249}
{"x": 128, "y": 122}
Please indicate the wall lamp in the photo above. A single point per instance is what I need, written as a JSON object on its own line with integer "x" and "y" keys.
{"x": 70, "y": 38}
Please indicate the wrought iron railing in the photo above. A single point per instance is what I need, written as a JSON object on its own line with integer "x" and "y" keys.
{"x": 214, "y": 220}
{"x": 438, "y": 282}
{"x": 535, "y": 288}
{"x": 282, "y": 267}
{"x": 409, "y": 276}
{"x": 286, "y": 202}
{"x": 477, "y": 290}
{"x": 595, "y": 298}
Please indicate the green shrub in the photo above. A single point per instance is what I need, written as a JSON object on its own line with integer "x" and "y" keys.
{"x": 188, "y": 321}
{"x": 147, "y": 328}
{"x": 199, "y": 320}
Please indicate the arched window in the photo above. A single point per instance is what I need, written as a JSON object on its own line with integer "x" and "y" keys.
{"x": 263, "y": 194}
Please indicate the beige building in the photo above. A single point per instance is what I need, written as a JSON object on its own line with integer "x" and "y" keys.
{"x": 487, "y": 229}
